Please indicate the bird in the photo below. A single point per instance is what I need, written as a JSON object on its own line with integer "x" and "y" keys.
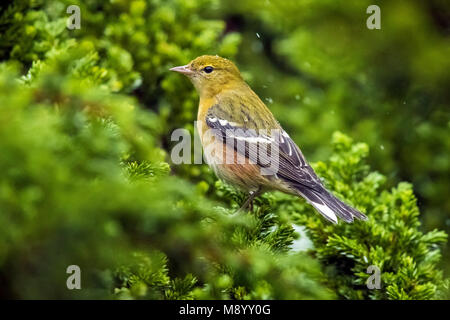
{"x": 239, "y": 128}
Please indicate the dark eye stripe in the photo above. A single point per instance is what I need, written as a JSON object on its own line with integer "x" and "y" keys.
{"x": 208, "y": 69}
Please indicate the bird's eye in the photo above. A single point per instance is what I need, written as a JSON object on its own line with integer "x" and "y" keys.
{"x": 208, "y": 69}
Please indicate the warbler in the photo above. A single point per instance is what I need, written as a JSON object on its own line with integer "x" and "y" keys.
{"x": 242, "y": 125}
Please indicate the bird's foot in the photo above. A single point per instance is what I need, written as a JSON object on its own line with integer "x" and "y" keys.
{"x": 248, "y": 204}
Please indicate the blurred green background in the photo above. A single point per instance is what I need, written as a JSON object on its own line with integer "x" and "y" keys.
{"x": 315, "y": 64}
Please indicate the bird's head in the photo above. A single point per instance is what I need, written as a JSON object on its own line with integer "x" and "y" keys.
{"x": 211, "y": 74}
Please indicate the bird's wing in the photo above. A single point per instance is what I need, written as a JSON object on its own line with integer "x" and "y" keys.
{"x": 271, "y": 149}
{"x": 280, "y": 157}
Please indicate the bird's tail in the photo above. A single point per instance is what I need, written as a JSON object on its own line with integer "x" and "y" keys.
{"x": 328, "y": 205}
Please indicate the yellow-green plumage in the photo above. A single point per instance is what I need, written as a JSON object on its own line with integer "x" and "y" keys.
{"x": 226, "y": 86}
{"x": 228, "y": 103}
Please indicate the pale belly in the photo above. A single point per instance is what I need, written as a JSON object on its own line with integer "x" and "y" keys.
{"x": 233, "y": 168}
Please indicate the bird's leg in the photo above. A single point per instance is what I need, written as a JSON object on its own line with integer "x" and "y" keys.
{"x": 249, "y": 202}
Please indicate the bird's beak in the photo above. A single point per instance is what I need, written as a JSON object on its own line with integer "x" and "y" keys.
{"x": 182, "y": 69}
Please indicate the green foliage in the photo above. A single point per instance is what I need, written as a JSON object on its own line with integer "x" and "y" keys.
{"x": 144, "y": 273}
{"x": 84, "y": 183}
{"x": 390, "y": 240}
{"x": 85, "y": 121}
